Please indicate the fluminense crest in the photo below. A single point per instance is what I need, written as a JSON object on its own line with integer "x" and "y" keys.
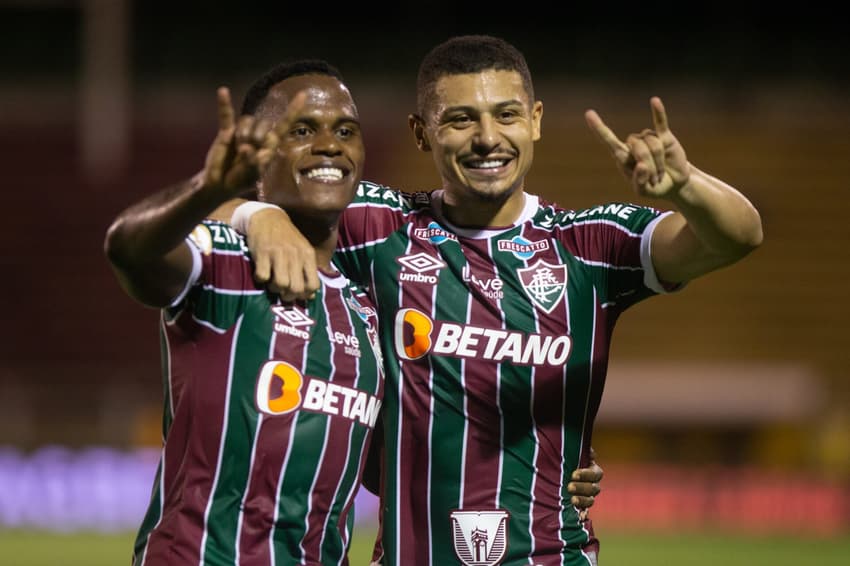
{"x": 544, "y": 283}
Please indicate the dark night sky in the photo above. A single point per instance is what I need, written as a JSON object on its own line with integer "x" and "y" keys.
{"x": 194, "y": 39}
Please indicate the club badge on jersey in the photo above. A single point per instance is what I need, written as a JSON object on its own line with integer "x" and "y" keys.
{"x": 544, "y": 284}
{"x": 480, "y": 537}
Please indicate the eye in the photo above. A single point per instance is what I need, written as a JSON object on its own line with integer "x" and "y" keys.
{"x": 508, "y": 115}
{"x": 345, "y": 133}
{"x": 460, "y": 120}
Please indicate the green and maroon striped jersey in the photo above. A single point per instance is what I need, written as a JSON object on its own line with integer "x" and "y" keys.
{"x": 495, "y": 345}
{"x": 269, "y": 410}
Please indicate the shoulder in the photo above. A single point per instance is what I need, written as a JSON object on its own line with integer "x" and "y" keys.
{"x": 624, "y": 214}
{"x": 375, "y": 194}
{"x": 215, "y": 236}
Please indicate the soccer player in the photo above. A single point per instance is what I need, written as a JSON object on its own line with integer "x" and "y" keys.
{"x": 496, "y": 308}
{"x": 269, "y": 406}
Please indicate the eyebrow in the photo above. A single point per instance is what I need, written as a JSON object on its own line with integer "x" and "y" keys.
{"x": 311, "y": 121}
{"x": 475, "y": 110}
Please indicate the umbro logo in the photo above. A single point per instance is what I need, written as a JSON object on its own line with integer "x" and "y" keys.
{"x": 290, "y": 320}
{"x": 292, "y": 315}
{"x": 421, "y": 262}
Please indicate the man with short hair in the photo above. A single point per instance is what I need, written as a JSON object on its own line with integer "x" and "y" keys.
{"x": 496, "y": 308}
{"x": 269, "y": 405}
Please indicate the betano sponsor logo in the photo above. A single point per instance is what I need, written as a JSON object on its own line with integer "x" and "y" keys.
{"x": 281, "y": 389}
{"x": 415, "y": 335}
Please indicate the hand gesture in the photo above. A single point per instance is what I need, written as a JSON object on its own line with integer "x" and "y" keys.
{"x": 241, "y": 149}
{"x": 653, "y": 160}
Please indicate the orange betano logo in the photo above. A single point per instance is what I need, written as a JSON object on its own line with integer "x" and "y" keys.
{"x": 413, "y": 333}
{"x": 279, "y": 388}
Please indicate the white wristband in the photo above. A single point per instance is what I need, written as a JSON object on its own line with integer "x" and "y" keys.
{"x": 242, "y": 214}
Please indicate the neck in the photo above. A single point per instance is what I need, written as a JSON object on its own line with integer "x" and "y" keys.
{"x": 322, "y": 233}
{"x": 475, "y": 211}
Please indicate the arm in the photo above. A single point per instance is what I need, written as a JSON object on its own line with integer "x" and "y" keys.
{"x": 714, "y": 226}
{"x": 146, "y": 242}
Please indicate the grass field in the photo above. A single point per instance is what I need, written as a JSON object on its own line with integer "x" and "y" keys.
{"x": 30, "y": 548}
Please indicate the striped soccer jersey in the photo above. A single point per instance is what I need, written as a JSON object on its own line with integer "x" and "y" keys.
{"x": 495, "y": 345}
{"x": 269, "y": 409}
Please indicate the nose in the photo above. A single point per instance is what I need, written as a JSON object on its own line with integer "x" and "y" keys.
{"x": 325, "y": 142}
{"x": 486, "y": 137}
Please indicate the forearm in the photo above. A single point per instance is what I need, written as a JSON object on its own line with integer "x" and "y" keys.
{"x": 721, "y": 218}
{"x": 150, "y": 229}
{"x": 224, "y": 212}
{"x": 146, "y": 243}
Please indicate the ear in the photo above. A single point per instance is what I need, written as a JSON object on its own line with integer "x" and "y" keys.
{"x": 536, "y": 120}
{"x": 417, "y": 126}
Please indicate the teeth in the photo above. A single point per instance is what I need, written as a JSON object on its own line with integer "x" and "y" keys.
{"x": 492, "y": 163}
{"x": 325, "y": 174}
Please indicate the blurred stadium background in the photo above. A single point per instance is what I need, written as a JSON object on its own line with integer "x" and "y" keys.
{"x": 726, "y": 417}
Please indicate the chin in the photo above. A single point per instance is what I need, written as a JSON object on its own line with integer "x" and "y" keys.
{"x": 492, "y": 193}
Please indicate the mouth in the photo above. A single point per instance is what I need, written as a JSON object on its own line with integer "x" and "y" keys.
{"x": 488, "y": 165}
{"x": 325, "y": 174}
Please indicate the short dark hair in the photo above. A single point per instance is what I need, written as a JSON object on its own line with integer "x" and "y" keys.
{"x": 469, "y": 54}
{"x": 260, "y": 88}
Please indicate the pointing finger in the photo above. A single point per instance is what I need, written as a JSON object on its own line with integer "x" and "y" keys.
{"x": 294, "y": 106}
{"x": 608, "y": 137}
{"x": 659, "y": 115}
{"x": 225, "y": 109}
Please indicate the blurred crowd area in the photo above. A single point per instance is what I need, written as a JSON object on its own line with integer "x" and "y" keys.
{"x": 744, "y": 371}
{"x": 102, "y": 489}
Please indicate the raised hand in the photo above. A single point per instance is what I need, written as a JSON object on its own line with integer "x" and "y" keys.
{"x": 653, "y": 160}
{"x": 241, "y": 149}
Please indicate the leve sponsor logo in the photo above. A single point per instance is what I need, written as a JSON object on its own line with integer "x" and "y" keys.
{"x": 415, "y": 335}
{"x": 491, "y": 287}
{"x": 348, "y": 341}
{"x": 281, "y": 389}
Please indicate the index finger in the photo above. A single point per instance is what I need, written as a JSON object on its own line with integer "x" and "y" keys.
{"x": 292, "y": 109}
{"x": 608, "y": 137}
{"x": 225, "y": 108}
{"x": 659, "y": 115}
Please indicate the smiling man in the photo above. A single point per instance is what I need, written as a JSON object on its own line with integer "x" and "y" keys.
{"x": 269, "y": 406}
{"x": 497, "y": 308}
